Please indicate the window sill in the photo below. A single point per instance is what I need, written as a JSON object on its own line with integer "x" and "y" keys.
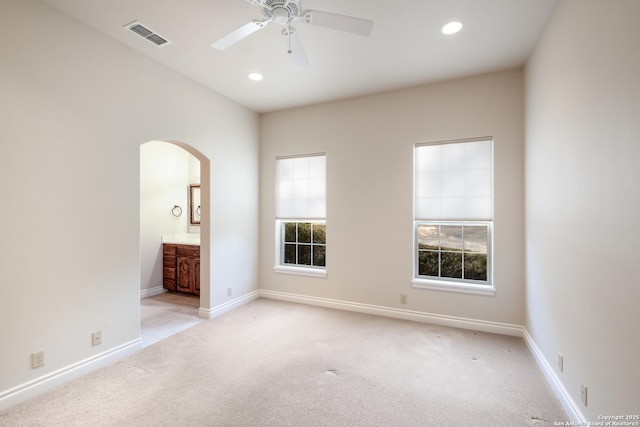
{"x": 466, "y": 288}
{"x": 301, "y": 271}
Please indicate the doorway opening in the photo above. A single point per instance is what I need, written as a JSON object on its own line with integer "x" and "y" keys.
{"x": 169, "y": 170}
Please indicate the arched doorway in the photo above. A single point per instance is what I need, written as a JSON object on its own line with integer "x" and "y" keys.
{"x": 167, "y": 170}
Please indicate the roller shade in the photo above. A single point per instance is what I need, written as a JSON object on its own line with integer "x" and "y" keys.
{"x": 301, "y": 187}
{"x": 454, "y": 181}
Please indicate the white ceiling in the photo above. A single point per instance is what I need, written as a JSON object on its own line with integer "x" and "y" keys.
{"x": 406, "y": 47}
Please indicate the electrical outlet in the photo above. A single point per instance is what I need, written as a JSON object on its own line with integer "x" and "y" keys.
{"x": 229, "y": 292}
{"x": 96, "y": 338}
{"x": 561, "y": 362}
{"x": 403, "y": 299}
{"x": 583, "y": 393}
{"x": 37, "y": 359}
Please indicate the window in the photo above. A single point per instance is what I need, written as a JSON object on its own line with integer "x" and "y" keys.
{"x": 453, "y": 251}
{"x": 300, "y": 215}
{"x": 304, "y": 243}
{"x": 453, "y": 215}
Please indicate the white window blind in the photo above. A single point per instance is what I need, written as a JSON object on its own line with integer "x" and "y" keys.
{"x": 301, "y": 187}
{"x": 454, "y": 181}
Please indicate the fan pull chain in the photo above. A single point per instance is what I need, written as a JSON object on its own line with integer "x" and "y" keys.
{"x": 289, "y": 35}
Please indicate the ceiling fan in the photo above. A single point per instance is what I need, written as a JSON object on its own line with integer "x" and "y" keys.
{"x": 284, "y": 12}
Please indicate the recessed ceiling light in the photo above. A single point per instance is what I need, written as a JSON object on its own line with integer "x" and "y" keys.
{"x": 452, "y": 28}
{"x": 255, "y": 76}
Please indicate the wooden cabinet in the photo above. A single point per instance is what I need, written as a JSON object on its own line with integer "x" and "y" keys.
{"x": 181, "y": 268}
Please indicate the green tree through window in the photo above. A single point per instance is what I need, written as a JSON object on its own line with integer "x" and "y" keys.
{"x": 304, "y": 244}
{"x": 453, "y": 251}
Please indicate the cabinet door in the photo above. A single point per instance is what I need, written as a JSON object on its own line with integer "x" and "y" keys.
{"x": 185, "y": 275}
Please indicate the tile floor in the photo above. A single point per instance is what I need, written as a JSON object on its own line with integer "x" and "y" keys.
{"x": 166, "y": 314}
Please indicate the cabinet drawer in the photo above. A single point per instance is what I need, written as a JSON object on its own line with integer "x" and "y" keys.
{"x": 169, "y": 278}
{"x": 169, "y": 261}
{"x": 188, "y": 251}
{"x": 169, "y": 250}
{"x": 169, "y": 284}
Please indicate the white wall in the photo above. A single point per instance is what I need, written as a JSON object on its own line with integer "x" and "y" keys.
{"x": 166, "y": 171}
{"x": 583, "y": 203}
{"x": 75, "y": 107}
{"x": 369, "y": 144}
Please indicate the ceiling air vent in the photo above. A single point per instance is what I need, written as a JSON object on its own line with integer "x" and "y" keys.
{"x": 146, "y": 33}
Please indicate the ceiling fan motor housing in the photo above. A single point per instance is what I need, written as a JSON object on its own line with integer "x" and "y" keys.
{"x": 281, "y": 11}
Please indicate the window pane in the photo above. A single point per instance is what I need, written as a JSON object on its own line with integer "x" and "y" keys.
{"x": 289, "y": 231}
{"x": 451, "y": 265}
{"x": 475, "y": 239}
{"x": 289, "y": 254}
{"x": 428, "y": 237}
{"x": 428, "y": 263}
{"x": 304, "y": 244}
{"x": 451, "y": 239}
{"x": 453, "y": 251}
{"x": 319, "y": 256}
{"x": 475, "y": 267}
{"x": 319, "y": 233}
{"x": 304, "y": 254}
{"x": 304, "y": 232}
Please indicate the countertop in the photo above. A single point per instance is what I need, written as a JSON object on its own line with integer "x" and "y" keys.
{"x": 182, "y": 239}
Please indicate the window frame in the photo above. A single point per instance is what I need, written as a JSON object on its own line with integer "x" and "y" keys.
{"x": 450, "y": 283}
{"x": 301, "y": 205}
{"x": 445, "y": 283}
{"x": 296, "y": 269}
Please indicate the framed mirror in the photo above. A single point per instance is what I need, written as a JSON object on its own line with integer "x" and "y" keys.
{"x": 194, "y": 204}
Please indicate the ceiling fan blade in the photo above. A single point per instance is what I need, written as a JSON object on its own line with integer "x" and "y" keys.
{"x": 295, "y": 49}
{"x": 349, "y": 24}
{"x": 240, "y": 33}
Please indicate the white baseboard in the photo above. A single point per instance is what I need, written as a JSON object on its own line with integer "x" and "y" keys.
{"x": 151, "y": 292}
{"x": 54, "y": 379}
{"x": 417, "y": 316}
{"x": 569, "y": 405}
{"x": 47, "y": 382}
{"x": 210, "y": 313}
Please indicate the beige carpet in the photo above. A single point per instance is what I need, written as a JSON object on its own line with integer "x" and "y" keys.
{"x": 272, "y": 363}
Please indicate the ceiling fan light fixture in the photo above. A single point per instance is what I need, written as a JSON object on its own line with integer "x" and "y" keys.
{"x": 452, "y": 28}
{"x": 281, "y": 15}
{"x": 256, "y": 77}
